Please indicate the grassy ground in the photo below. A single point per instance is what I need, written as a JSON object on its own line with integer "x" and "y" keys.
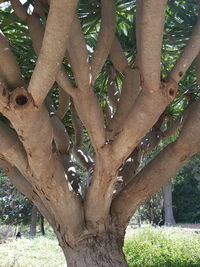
{"x": 146, "y": 247}
{"x": 38, "y": 252}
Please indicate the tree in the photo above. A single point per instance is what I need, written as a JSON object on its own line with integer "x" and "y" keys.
{"x": 14, "y": 207}
{"x": 122, "y": 98}
{"x": 33, "y": 224}
{"x": 186, "y": 184}
{"x": 168, "y": 210}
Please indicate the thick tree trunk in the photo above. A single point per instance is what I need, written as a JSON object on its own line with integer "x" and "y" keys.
{"x": 33, "y": 221}
{"x": 168, "y": 211}
{"x": 95, "y": 252}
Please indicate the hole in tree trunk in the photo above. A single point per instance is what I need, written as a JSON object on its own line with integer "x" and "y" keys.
{"x": 171, "y": 92}
{"x": 21, "y": 100}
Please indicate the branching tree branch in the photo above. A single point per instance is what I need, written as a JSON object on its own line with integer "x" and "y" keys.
{"x": 161, "y": 169}
{"x": 36, "y": 31}
{"x": 91, "y": 115}
{"x": 130, "y": 91}
{"x": 144, "y": 115}
{"x": 36, "y": 149}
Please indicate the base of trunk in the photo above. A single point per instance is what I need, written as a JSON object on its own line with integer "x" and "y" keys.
{"x": 96, "y": 252}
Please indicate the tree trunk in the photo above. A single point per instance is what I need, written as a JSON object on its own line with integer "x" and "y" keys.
{"x": 168, "y": 211}
{"x": 6, "y": 233}
{"x": 42, "y": 225}
{"x": 95, "y": 252}
{"x": 33, "y": 221}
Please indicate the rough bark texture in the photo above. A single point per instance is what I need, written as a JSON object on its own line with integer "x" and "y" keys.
{"x": 96, "y": 252}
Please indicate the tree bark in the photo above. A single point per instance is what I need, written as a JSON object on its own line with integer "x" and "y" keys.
{"x": 42, "y": 225}
{"x": 95, "y": 252}
{"x": 33, "y": 221}
{"x": 168, "y": 211}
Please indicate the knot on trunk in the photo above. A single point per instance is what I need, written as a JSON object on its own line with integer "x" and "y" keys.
{"x": 20, "y": 98}
{"x": 170, "y": 87}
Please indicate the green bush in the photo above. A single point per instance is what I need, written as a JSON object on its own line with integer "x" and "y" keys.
{"x": 186, "y": 193}
{"x": 162, "y": 247}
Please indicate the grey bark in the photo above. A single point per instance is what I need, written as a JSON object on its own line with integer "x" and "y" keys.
{"x": 33, "y": 221}
{"x": 168, "y": 210}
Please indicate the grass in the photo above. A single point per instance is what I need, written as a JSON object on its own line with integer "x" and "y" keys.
{"x": 146, "y": 247}
{"x": 37, "y": 252}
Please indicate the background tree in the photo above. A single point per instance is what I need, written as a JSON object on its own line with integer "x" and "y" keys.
{"x": 186, "y": 193}
{"x": 114, "y": 67}
{"x": 14, "y": 207}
